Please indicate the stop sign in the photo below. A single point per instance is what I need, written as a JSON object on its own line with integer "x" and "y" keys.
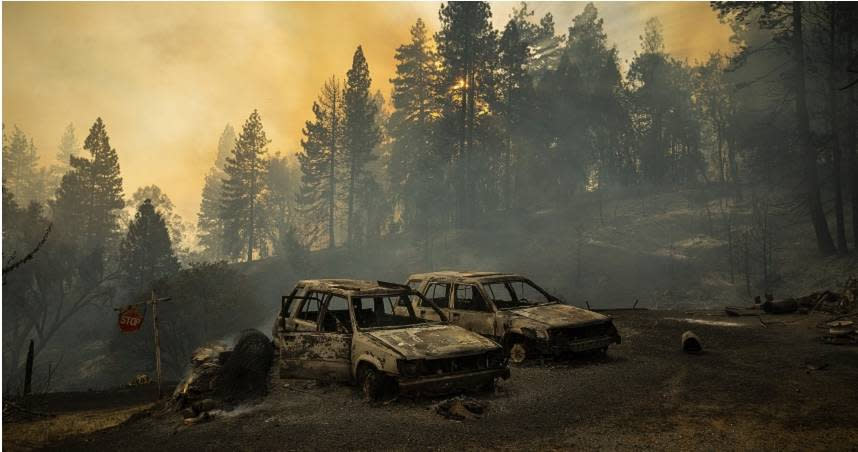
{"x": 130, "y": 319}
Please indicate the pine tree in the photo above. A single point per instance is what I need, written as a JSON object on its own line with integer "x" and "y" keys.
{"x": 784, "y": 26}
{"x": 162, "y": 203}
{"x": 467, "y": 47}
{"x": 68, "y": 148}
{"x": 210, "y": 225}
{"x": 322, "y": 143}
{"x": 225, "y": 145}
{"x": 243, "y": 187}
{"x": 411, "y": 125}
{"x": 666, "y": 114}
{"x": 361, "y": 135}
{"x": 514, "y": 94}
{"x": 278, "y": 201}
{"x": 20, "y": 167}
{"x": 89, "y": 198}
{"x": 146, "y": 253}
{"x": 210, "y": 233}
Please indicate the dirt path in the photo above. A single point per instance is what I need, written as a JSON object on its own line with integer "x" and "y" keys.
{"x": 751, "y": 389}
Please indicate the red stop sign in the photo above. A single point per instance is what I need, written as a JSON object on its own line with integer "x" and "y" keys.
{"x": 130, "y": 319}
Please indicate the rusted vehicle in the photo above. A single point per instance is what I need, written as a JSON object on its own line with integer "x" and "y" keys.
{"x": 346, "y": 330}
{"x": 512, "y": 310}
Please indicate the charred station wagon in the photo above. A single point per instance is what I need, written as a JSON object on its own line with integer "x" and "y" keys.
{"x": 514, "y": 311}
{"x": 346, "y": 330}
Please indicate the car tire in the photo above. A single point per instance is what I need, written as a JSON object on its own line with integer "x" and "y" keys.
{"x": 372, "y": 382}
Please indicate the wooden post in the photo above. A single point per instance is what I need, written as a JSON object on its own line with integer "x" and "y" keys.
{"x": 154, "y": 302}
{"x": 28, "y": 371}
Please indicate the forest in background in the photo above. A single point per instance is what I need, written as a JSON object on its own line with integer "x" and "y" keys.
{"x": 489, "y": 137}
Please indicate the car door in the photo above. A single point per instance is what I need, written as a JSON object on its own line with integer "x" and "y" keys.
{"x": 318, "y": 349}
{"x": 438, "y": 293}
{"x": 471, "y": 310}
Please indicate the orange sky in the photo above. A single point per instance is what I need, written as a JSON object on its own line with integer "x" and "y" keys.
{"x": 167, "y": 77}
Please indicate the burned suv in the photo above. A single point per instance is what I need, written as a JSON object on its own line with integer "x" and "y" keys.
{"x": 512, "y": 310}
{"x": 346, "y": 330}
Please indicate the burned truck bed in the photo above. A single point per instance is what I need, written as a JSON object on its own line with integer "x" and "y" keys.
{"x": 755, "y": 386}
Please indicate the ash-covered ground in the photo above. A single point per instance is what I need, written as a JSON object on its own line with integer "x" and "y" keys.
{"x": 756, "y": 386}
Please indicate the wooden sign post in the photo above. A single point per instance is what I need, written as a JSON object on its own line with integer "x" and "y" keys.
{"x": 154, "y": 302}
{"x": 130, "y": 320}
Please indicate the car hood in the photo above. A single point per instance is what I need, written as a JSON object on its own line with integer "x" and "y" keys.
{"x": 433, "y": 341}
{"x": 556, "y": 315}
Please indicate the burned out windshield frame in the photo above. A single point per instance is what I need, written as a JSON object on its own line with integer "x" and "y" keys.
{"x": 508, "y": 285}
{"x": 417, "y": 321}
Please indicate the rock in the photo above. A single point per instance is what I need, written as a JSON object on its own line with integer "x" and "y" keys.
{"x": 460, "y": 408}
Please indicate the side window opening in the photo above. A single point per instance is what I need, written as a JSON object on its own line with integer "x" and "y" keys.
{"x": 336, "y": 317}
{"x": 469, "y": 298}
{"x": 439, "y": 293}
{"x": 311, "y": 307}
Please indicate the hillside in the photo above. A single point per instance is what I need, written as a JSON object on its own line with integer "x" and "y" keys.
{"x": 667, "y": 250}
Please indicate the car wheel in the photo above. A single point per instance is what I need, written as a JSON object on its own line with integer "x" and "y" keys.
{"x": 372, "y": 382}
{"x": 517, "y": 353}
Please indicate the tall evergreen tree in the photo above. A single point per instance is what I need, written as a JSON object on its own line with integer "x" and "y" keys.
{"x": 146, "y": 253}
{"x": 20, "y": 167}
{"x": 322, "y": 143}
{"x": 666, "y": 117}
{"x": 278, "y": 202}
{"x": 89, "y": 198}
{"x": 210, "y": 223}
{"x": 467, "y": 45}
{"x": 165, "y": 207}
{"x": 361, "y": 136}
{"x": 785, "y": 24}
{"x": 210, "y": 231}
{"x": 411, "y": 125}
{"x": 243, "y": 187}
{"x": 225, "y": 145}
{"x": 514, "y": 93}
{"x": 69, "y": 147}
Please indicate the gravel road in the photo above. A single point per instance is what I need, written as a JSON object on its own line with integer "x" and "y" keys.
{"x": 752, "y": 388}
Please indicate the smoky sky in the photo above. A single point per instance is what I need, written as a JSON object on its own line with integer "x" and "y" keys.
{"x": 167, "y": 77}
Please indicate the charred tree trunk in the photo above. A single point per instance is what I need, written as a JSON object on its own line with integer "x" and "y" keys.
{"x": 332, "y": 198}
{"x": 811, "y": 179}
{"x": 853, "y": 149}
{"x": 28, "y": 371}
{"x": 840, "y": 223}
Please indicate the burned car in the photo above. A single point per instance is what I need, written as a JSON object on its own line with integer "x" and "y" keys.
{"x": 346, "y": 330}
{"x": 514, "y": 311}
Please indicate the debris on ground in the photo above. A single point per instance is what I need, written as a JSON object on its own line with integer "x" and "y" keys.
{"x": 786, "y": 306}
{"x": 219, "y": 377}
{"x": 460, "y": 408}
{"x": 815, "y": 364}
{"x": 837, "y": 303}
{"x": 13, "y": 412}
{"x": 138, "y": 380}
{"x": 841, "y": 332}
{"x": 691, "y": 343}
{"x": 738, "y": 311}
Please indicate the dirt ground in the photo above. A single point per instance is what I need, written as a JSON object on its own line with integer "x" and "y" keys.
{"x": 754, "y": 387}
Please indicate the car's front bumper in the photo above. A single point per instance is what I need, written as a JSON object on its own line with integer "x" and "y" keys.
{"x": 451, "y": 382}
{"x": 583, "y": 345}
